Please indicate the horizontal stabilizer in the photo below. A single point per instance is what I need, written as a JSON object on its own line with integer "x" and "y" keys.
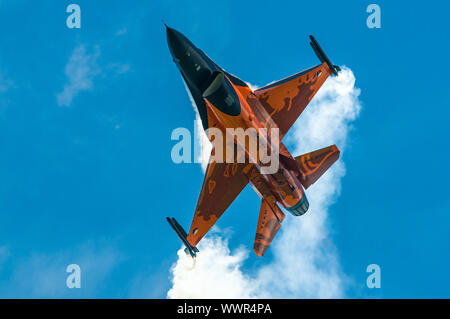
{"x": 313, "y": 165}
{"x": 268, "y": 224}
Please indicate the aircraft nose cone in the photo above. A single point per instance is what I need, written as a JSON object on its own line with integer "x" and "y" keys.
{"x": 194, "y": 65}
{"x": 177, "y": 42}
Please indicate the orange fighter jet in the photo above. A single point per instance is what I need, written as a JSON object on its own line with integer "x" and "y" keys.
{"x": 225, "y": 102}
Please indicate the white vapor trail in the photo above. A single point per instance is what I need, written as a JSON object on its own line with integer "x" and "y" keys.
{"x": 305, "y": 262}
{"x": 202, "y": 143}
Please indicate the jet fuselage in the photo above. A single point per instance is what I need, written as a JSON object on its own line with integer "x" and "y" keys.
{"x": 225, "y": 102}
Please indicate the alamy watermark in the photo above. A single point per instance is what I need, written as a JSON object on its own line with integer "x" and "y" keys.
{"x": 374, "y": 19}
{"x": 74, "y": 278}
{"x": 74, "y": 19}
{"x": 236, "y": 145}
{"x": 374, "y": 279}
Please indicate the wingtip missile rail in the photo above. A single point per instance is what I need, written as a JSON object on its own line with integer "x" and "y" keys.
{"x": 322, "y": 56}
{"x": 181, "y": 233}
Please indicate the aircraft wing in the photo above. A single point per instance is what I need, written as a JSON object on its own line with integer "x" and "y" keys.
{"x": 222, "y": 184}
{"x": 286, "y": 99}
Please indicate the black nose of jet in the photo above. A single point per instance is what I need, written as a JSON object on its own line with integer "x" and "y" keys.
{"x": 178, "y": 43}
{"x": 195, "y": 66}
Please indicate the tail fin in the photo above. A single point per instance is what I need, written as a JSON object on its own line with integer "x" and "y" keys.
{"x": 313, "y": 165}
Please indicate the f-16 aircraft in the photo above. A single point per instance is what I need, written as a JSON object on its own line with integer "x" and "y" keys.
{"x": 224, "y": 101}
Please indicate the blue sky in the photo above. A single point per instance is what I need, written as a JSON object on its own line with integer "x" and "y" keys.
{"x": 86, "y": 177}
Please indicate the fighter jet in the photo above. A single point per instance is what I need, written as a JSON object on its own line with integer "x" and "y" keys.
{"x": 224, "y": 101}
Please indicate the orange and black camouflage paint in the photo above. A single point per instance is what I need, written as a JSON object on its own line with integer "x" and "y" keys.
{"x": 276, "y": 105}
